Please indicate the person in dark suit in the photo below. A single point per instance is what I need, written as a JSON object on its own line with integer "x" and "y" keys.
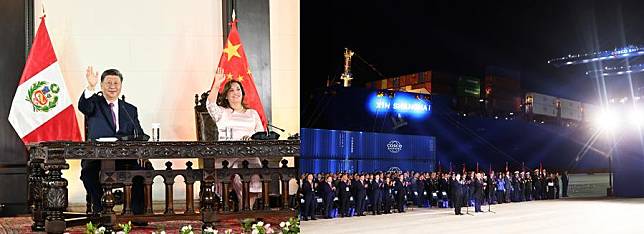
{"x": 550, "y": 182}
{"x": 536, "y": 183}
{"x": 108, "y": 116}
{"x": 376, "y": 194}
{"x": 361, "y": 193}
{"x": 388, "y": 194}
{"x": 400, "y": 191}
{"x": 456, "y": 186}
{"x": 420, "y": 191}
{"x": 344, "y": 193}
{"x": 478, "y": 192}
{"x": 328, "y": 194}
{"x": 557, "y": 188}
{"x": 309, "y": 198}
{"x": 528, "y": 186}
{"x": 564, "y": 184}
{"x": 368, "y": 191}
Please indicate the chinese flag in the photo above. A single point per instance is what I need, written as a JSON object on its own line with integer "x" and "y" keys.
{"x": 235, "y": 65}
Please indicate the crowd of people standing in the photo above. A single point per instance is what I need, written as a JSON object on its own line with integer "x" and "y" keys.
{"x": 341, "y": 194}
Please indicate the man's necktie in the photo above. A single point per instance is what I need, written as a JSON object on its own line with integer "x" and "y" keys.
{"x": 113, "y": 115}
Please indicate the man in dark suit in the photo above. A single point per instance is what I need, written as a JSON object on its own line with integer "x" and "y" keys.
{"x": 328, "y": 194}
{"x": 400, "y": 190}
{"x": 344, "y": 193}
{"x": 309, "y": 198}
{"x": 107, "y": 116}
{"x": 457, "y": 194}
{"x": 478, "y": 192}
{"x": 387, "y": 194}
{"x": 361, "y": 193}
{"x": 376, "y": 194}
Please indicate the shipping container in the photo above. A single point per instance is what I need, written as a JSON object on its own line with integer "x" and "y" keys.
{"x": 396, "y": 83}
{"x": 390, "y": 83}
{"x": 468, "y": 86}
{"x": 571, "y": 114}
{"x": 532, "y": 97}
{"x": 505, "y": 105}
{"x": 425, "y": 77}
{"x": 543, "y": 109}
{"x": 383, "y": 84}
{"x": 413, "y": 79}
{"x": 570, "y": 104}
{"x": 496, "y": 82}
{"x": 405, "y": 80}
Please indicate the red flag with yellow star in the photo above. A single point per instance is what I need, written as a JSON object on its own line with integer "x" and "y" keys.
{"x": 235, "y": 65}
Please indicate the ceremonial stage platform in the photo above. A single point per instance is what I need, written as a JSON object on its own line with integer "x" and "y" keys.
{"x": 571, "y": 215}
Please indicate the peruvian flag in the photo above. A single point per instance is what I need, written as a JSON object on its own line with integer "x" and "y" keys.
{"x": 235, "y": 65}
{"x": 42, "y": 109}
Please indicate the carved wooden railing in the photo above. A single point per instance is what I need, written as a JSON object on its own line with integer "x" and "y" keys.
{"x": 48, "y": 194}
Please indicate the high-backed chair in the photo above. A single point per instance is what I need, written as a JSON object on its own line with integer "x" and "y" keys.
{"x": 206, "y": 126}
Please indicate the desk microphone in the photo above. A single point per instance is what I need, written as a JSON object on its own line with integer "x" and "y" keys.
{"x": 136, "y": 136}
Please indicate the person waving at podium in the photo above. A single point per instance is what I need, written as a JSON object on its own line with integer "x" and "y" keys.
{"x": 106, "y": 116}
{"x": 233, "y": 117}
{"x": 237, "y": 121}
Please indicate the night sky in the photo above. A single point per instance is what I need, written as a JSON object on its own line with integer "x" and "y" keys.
{"x": 463, "y": 37}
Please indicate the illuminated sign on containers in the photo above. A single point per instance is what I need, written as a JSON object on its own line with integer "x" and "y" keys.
{"x": 410, "y": 104}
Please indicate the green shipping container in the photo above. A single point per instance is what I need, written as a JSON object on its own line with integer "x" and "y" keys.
{"x": 468, "y": 86}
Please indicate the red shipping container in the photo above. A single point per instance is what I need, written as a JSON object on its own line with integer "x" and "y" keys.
{"x": 402, "y": 81}
{"x": 427, "y": 77}
{"x": 502, "y": 82}
{"x": 413, "y": 79}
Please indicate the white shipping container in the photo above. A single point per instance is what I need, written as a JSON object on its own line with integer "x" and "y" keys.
{"x": 542, "y": 99}
{"x": 570, "y": 104}
{"x": 571, "y": 113}
{"x": 543, "y": 109}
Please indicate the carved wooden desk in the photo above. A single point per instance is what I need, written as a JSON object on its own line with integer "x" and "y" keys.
{"x": 48, "y": 192}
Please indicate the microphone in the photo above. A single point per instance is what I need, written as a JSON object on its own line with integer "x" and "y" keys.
{"x": 136, "y": 136}
{"x": 290, "y": 137}
{"x": 268, "y": 135}
{"x": 270, "y": 125}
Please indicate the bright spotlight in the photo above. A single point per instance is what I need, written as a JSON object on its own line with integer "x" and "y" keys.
{"x": 607, "y": 120}
{"x": 636, "y": 118}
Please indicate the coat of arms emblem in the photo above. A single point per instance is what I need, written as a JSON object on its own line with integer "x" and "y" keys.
{"x": 43, "y": 96}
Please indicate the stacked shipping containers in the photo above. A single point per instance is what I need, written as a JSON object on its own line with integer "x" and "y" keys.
{"x": 501, "y": 90}
{"x": 408, "y": 82}
{"x": 503, "y": 94}
{"x": 468, "y": 93}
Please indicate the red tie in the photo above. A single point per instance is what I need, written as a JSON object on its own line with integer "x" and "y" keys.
{"x": 113, "y": 115}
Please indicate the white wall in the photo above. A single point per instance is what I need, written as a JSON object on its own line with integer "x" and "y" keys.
{"x": 285, "y": 65}
{"x": 167, "y": 51}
